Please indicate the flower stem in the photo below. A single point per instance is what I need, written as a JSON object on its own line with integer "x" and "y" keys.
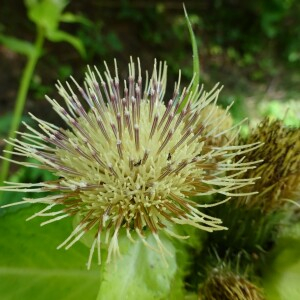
{"x": 21, "y": 98}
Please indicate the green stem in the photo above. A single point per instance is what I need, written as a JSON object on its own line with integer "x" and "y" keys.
{"x": 21, "y": 98}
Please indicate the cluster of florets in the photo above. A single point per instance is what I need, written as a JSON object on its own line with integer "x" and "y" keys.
{"x": 130, "y": 161}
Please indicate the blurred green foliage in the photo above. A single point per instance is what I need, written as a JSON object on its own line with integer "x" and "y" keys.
{"x": 257, "y": 36}
{"x": 46, "y": 15}
{"x": 255, "y": 32}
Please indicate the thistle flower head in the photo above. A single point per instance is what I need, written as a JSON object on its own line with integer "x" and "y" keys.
{"x": 279, "y": 167}
{"x": 127, "y": 160}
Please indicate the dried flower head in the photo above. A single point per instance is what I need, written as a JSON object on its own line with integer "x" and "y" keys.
{"x": 279, "y": 168}
{"x": 225, "y": 285}
{"x": 127, "y": 160}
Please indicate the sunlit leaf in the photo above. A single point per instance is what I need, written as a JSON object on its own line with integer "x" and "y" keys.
{"x": 45, "y": 13}
{"x": 141, "y": 273}
{"x": 32, "y": 268}
{"x": 282, "y": 273}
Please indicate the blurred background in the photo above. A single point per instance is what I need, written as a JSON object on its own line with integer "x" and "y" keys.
{"x": 251, "y": 47}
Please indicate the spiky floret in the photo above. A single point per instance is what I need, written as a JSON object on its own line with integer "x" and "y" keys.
{"x": 129, "y": 161}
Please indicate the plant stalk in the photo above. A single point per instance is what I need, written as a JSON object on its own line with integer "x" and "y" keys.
{"x": 20, "y": 102}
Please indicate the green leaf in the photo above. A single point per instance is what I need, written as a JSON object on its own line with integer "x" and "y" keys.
{"x": 17, "y": 45}
{"x": 32, "y": 268}
{"x": 61, "y": 36}
{"x": 45, "y": 13}
{"x": 72, "y": 18}
{"x": 282, "y": 273}
{"x": 140, "y": 273}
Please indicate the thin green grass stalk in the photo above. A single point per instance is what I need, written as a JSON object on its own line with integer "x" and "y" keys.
{"x": 196, "y": 63}
{"x": 20, "y": 102}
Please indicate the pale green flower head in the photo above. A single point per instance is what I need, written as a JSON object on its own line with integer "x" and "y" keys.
{"x": 129, "y": 160}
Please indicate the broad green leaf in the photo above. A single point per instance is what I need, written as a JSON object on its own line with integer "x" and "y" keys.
{"x": 17, "y": 45}
{"x": 282, "y": 274}
{"x": 140, "y": 273}
{"x": 61, "y": 36}
{"x": 32, "y": 268}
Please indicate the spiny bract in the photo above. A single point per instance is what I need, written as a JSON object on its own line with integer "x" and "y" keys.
{"x": 226, "y": 285}
{"x": 128, "y": 161}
